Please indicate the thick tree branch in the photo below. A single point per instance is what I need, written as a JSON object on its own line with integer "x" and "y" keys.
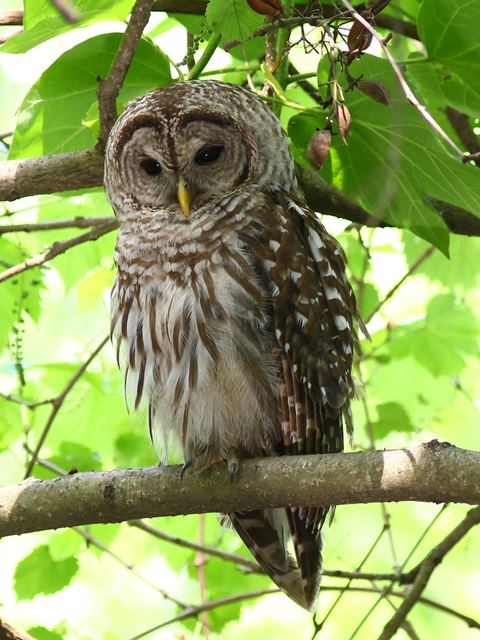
{"x": 433, "y": 472}
{"x": 84, "y": 169}
{"x": 7, "y": 632}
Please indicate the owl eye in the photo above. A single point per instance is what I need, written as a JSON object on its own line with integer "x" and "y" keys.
{"x": 209, "y": 154}
{"x": 151, "y": 166}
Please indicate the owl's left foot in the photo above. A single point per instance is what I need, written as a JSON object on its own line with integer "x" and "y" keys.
{"x": 233, "y": 464}
{"x": 186, "y": 465}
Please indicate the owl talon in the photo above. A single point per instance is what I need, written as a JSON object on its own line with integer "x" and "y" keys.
{"x": 233, "y": 465}
{"x": 186, "y": 465}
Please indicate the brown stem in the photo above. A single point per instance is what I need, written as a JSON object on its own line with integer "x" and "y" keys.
{"x": 425, "y": 570}
{"x": 461, "y": 123}
{"x": 57, "y": 248}
{"x": 69, "y": 13}
{"x": 109, "y": 88}
{"x": 50, "y": 225}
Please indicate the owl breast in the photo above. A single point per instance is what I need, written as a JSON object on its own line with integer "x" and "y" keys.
{"x": 193, "y": 323}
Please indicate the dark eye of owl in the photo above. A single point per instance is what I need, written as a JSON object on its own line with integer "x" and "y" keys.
{"x": 208, "y": 155}
{"x": 151, "y": 166}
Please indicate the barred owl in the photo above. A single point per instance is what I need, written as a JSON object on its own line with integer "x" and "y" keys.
{"x": 231, "y": 309}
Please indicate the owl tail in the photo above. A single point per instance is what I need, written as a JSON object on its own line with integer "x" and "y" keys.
{"x": 267, "y": 533}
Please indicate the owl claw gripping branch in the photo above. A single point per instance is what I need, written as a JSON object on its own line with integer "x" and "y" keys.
{"x": 231, "y": 311}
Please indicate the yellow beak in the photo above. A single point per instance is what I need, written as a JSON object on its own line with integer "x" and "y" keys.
{"x": 184, "y": 197}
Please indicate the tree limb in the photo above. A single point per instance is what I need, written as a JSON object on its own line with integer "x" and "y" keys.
{"x": 7, "y": 632}
{"x": 109, "y": 88}
{"x": 84, "y": 169}
{"x": 432, "y": 472}
{"x": 425, "y": 570}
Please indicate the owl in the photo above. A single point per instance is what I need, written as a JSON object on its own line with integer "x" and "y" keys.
{"x": 231, "y": 311}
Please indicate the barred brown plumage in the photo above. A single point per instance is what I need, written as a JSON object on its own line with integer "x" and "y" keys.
{"x": 231, "y": 305}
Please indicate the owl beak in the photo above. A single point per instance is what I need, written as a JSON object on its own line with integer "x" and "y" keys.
{"x": 184, "y": 197}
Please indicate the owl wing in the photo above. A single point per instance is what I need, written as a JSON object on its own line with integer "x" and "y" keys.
{"x": 313, "y": 313}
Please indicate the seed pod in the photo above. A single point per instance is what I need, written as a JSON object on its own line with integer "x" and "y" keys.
{"x": 265, "y": 7}
{"x": 319, "y": 147}
{"x": 359, "y": 38}
{"x": 344, "y": 119}
{"x": 376, "y": 91}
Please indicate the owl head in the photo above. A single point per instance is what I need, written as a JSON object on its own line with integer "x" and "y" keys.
{"x": 174, "y": 149}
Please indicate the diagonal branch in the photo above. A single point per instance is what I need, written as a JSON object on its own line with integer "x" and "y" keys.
{"x": 109, "y": 88}
{"x": 432, "y": 472}
{"x": 425, "y": 570}
{"x": 57, "y": 248}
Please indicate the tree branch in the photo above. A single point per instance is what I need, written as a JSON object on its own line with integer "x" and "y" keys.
{"x": 7, "y": 632}
{"x": 57, "y": 248}
{"x": 84, "y": 169}
{"x": 425, "y": 570}
{"x": 109, "y": 88}
{"x": 78, "y": 222}
{"x": 433, "y": 472}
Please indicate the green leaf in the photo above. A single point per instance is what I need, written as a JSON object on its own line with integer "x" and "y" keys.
{"x": 39, "y": 573}
{"x": 40, "y": 633}
{"x": 232, "y": 19}
{"x": 43, "y": 21}
{"x": 64, "y": 544}
{"x": 74, "y": 455}
{"x": 56, "y": 114}
{"x": 442, "y": 342}
{"x": 133, "y": 450}
{"x": 392, "y": 416}
{"x": 393, "y": 162}
{"x": 10, "y": 423}
{"x": 446, "y": 30}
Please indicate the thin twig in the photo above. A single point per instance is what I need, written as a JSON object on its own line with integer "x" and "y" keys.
{"x": 403, "y": 83}
{"x": 68, "y": 12}
{"x": 109, "y": 88}
{"x": 50, "y": 225}
{"x": 57, "y": 248}
{"x": 211, "y": 551}
{"x": 58, "y": 402}
{"x": 25, "y": 403}
{"x": 427, "y": 567}
{"x": 200, "y": 560}
{"x": 11, "y": 17}
{"x": 191, "y": 612}
{"x": 420, "y": 260}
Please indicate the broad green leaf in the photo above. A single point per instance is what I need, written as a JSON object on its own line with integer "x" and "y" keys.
{"x": 40, "y": 633}
{"x": 43, "y": 21}
{"x": 392, "y": 416}
{"x": 38, "y": 573}
{"x": 446, "y": 29}
{"x": 442, "y": 341}
{"x": 64, "y": 544}
{"x": 134, "y": 450}
{"x": 72, "y": 455}
{"x": 394, "y": 163}
{"x": 460, "y": 273}
{"x": 441, "y": 87}
{"x": 56, "y": 115}
{"x": 233, "y": 19}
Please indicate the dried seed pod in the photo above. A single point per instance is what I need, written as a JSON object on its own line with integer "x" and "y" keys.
{"x": 344, "y": 119}
{"x": 265, "y": 7}
{"x": 376, "y": 91}
{"x": 359, "y": 38}
{"x": 319, "y": 147}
